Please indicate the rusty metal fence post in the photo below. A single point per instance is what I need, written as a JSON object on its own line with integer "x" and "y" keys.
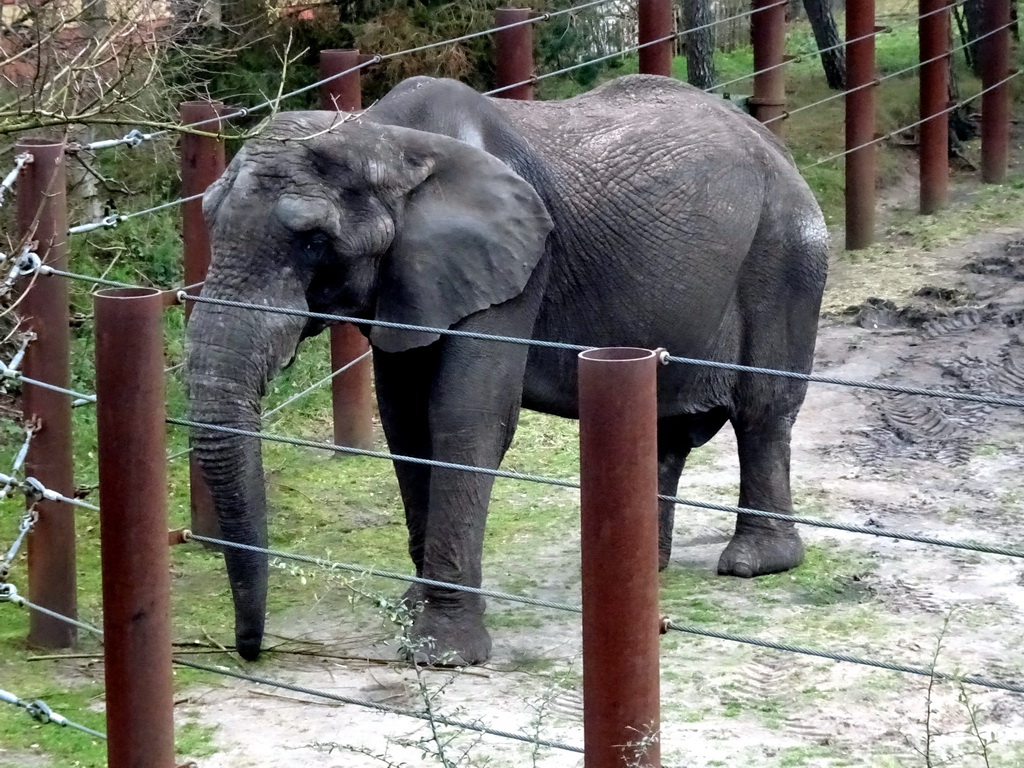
{"x": 656, "y": 22}
{"x": 933, "y": 34}
{"x": 995, "y": 103}
{"x": 860, "y": 124}
{"x": 43, "y": 220}
{"x": 619, "y": 542}
{"x": 202, "y": 163}
{"x": 513, "y": 49}
{"x": 135, "y": 560}
{"x": 768, "y": 33}
{"x": 351, "y": 395}
{"x": 343, "y": 93}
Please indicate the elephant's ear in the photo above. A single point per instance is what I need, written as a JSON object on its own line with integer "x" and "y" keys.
{"x": 471, "y": 234}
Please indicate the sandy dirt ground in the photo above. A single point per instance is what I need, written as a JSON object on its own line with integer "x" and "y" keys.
{"x": 932, "y": 467}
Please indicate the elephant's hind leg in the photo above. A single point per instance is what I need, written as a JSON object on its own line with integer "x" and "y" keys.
{"x": 763, "y": 545}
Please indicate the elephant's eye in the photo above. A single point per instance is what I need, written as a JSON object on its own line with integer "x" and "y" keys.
{"x": 313, "y": 247}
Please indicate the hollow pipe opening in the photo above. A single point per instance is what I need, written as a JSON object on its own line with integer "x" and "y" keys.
{"x": 617, "y": 354}
{"x": 127, "y": 293}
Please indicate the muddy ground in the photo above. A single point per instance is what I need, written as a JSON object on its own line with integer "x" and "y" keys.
{"x": 927, "y": 466}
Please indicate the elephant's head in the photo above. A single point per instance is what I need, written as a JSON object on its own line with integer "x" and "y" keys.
{"x": 349, "y": 218}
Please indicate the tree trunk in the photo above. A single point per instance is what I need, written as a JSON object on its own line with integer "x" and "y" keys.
{"x": 82, "y": 187}
{"x": 974, "y": 21}
{"x": 826, "y": 35}
{"x": 961, "y": 127}
{"x": 700, "y": 45}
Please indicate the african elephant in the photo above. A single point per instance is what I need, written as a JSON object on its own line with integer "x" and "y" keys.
{"x": 644, "y": 213}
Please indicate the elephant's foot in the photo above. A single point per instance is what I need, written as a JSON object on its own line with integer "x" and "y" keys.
{"x": 664, "y": 554}
{"x": 759, "y": 551}
{"x": 449, "y": 638}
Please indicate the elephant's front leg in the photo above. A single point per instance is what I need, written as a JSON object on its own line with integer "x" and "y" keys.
{"x": 473, "y": 413}
{"x": 403, "y": 382}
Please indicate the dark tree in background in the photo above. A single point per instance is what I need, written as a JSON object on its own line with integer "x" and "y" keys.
{"x": 970, "y": 22}
{"x": 700, "y": 44}
{"x": 826, "y": 35}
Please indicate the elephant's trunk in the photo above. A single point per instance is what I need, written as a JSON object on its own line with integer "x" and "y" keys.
{"x": 232, "y": 354}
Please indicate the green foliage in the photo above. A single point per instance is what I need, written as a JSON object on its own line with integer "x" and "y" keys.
{"x": 254, "y": 72}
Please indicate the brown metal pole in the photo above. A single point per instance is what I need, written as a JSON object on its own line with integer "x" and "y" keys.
{"x": 514, "y": 53}
{"x": 619, "y": 539}
{"x": 342, "y": 93}
{"x": 135, "y": 562}
{"x": 933, "y": 33}
{"x": 860, "y": 124}
{"x": 202, "y": 163}
{"x": 43, "y": 220}
{"x": 768, "y": 33}
{"x": 995, "y": 103}
{"x": 656, "y": 22}
{"x": 351, "y": 395}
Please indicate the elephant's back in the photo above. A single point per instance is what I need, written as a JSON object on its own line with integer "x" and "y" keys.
{"x": 635, "y": 110}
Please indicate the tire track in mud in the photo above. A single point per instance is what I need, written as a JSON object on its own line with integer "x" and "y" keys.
{"x": 901, "y": 596}
{"x": 909, "y": 427}
{"x": 568, "y": 703}
{"x": 961, "y": 320}
{"x": 760, "y": 686}
{"x": 766, "y": 686}
{"x": 957, "y": 344}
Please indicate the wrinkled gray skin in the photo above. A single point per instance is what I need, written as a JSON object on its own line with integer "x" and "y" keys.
{"x": 643, "y": 214}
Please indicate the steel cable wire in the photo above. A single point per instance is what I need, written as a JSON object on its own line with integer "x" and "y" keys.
{"x": 39, "y": 711}
{"x": 667, "y": 623}
{"x": 818, "y": 51}
{"x": 1003, "y": 685}
{"x": 860, "y": 529}
{"x": 987, "y": 398}
{"x": 28, "y": 521}
{"x": 360, "y": 570}
{"x": 48, "y": 271}
{"x": 278, "y": 408}
{"x": 9, "y": 594}
{"x": 17, "y": 375}
{"x": 507, "y": 474}
{"x": 19, "y": 461}
{"x": 34, "y": 489}
{"x": 429, "y": 717}
{"x": 889, "y": 76}
{"x": 114, "y": 219}
{"x": 16, "y": 360}
{"x": 632, "y": 49}
{"x": 20, "y": 161}
{"x": 135, "y": 137}
{"x": 800, "y": 520}
{"x": 312, "y": 387}
{"x": 991, "y": 399}
{"x": 890, "y": 134}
